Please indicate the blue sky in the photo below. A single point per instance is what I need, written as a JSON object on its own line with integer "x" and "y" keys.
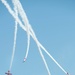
{"x": 54, "y": 26}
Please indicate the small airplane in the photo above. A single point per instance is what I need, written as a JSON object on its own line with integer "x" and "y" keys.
{"x": 68, "y": 73}
{"x": 8, "y": 73}
{"x": 24, "y": 60}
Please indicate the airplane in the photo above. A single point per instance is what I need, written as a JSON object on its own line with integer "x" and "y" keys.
{"x": 68, "y": 73}
{"x": 8, "y": 73}
{"x": 24, "y": 60}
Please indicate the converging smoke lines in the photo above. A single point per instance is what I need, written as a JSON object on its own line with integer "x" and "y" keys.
{"x": 18, "y": 10}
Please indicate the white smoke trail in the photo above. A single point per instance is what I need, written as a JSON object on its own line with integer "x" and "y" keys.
{"x": 13, "y": 14}
{"x": 47, "y": 52}
{"x": 21, "y": 11}
{"x": 15, "y": 36}
{"x": 31, "y": 33}
{"x": 24, "y": 29}
{"x": 53, "y": 58}
{"x": 38, "y": 45}
{"x": 16, "y": 18}
{"x": 25, "y": 20}
{"x": 28, "y": 45}
{"x": 43, "y": 59}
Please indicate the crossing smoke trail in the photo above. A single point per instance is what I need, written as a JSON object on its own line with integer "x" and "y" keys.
{"x": 31, "y": 32}
{"x": 15, "y": 36}
{"x": 11, "y": 12}
{"x": 53, "y": 59}
{"x": 15, "y": 17}
{"x": 44, "y": 61}
{"x": 43, "y": 58}
{"x": 26, "y": 22}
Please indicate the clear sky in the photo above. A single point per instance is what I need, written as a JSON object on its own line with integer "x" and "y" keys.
{"x": 54, "y": 24}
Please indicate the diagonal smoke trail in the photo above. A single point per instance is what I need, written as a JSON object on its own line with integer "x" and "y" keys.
{"x": 25, "y": 20}
{"x": 47, "y": 52}
{"x": 53, "y": 59}
{"x": 13, "y": 14}
{"x": 42, "y": 55}
{"x": 43, "y": 59}
{"x": 15, "y": 36}
{"x": 39, "y": 48}
{"x": 31, "y": 33}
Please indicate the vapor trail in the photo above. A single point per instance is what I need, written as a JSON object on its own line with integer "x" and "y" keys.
{"x": 25, "y": 20}
{"x": 53, "y": 59}
{"x": 13, "y": 14}
{"x": 39, "y": 48}
{"x": 40, "y": 45}
{"x": 28, "y": 45}
{"x": 15, "y": 36}
{"x": 43, "y": 59}
{"x": 31, "y": 33}
{"x": 17, "y": 20}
